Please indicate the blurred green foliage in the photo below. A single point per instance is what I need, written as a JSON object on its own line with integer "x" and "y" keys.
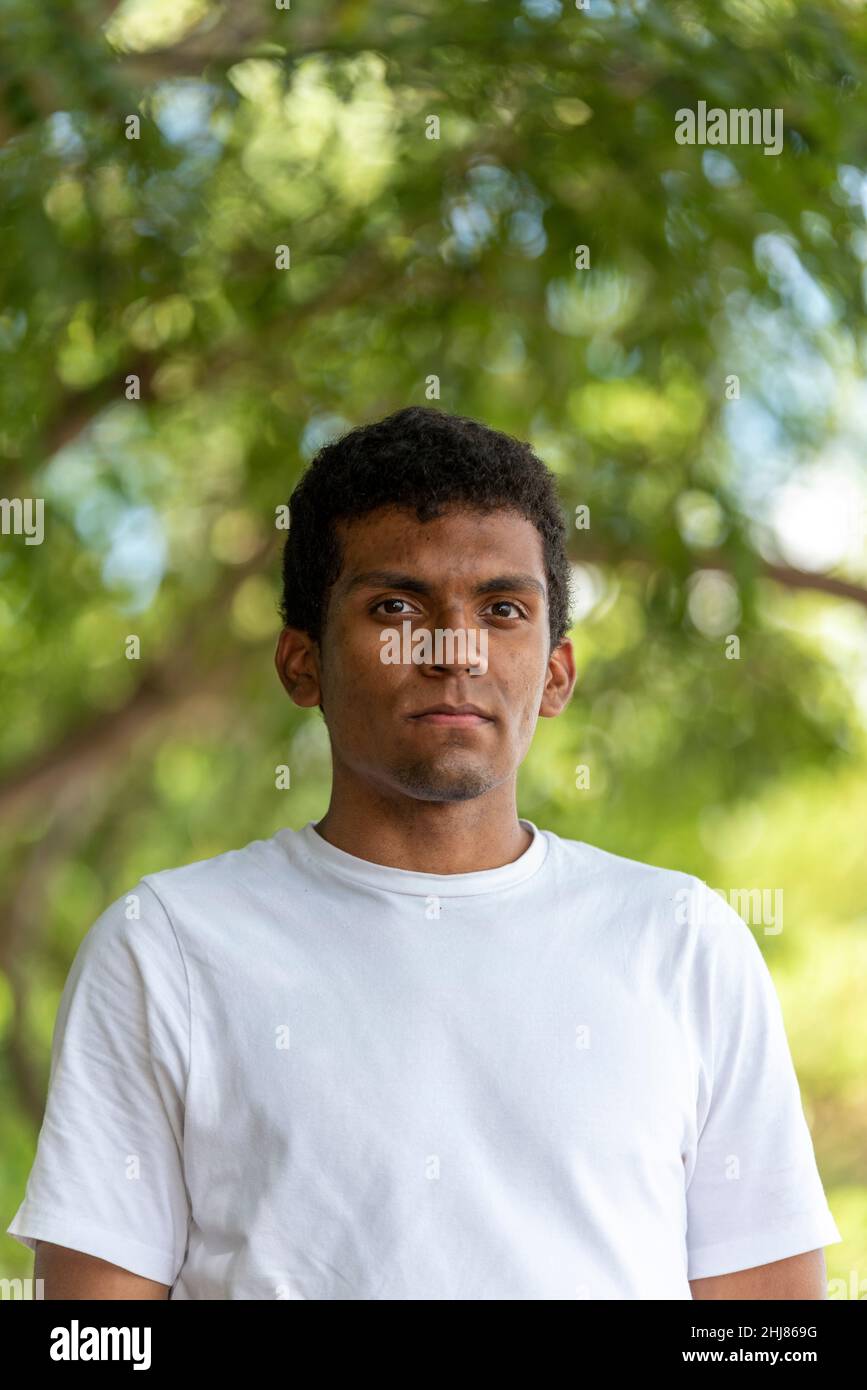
{"x": 156, "y": 258}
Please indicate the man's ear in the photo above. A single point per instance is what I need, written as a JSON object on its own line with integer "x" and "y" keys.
{"x": 297, "y": 663}
{"x": 560, "y": 681}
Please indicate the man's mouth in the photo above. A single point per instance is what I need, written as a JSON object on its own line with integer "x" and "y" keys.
{"x": 452, "y": 716}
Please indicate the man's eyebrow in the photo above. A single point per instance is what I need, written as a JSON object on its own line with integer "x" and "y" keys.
{"x": 397, "y": 579}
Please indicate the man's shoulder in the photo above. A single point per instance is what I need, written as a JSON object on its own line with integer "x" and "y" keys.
{"x": 639, "y": 893}
{"x": 635, "y": 875}
{"x": 229, "y": 871}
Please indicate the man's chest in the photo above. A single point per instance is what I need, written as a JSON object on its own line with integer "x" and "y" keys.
{"x": 341, "y": 1111}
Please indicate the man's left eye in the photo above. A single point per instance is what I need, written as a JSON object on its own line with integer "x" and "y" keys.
{"x": 506, "y": 603}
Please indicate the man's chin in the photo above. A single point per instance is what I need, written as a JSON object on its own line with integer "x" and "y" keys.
{"x": 428, "y": 782}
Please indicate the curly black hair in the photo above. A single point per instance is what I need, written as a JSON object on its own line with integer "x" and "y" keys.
{"x": 424, "y": 458}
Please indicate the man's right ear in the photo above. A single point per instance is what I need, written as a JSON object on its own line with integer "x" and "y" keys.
{"x": 297, "y": 663}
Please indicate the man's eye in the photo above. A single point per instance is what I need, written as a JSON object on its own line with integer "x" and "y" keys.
{"x": 506, "y": 603}
{"x": 382, "y": 601}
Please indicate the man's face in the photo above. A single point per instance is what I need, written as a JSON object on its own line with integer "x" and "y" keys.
{"x": 480, "y": 572}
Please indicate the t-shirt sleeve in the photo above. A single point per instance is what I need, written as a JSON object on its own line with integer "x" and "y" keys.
{"x": 108, "y": 1174}
{"x": 754, "y": 1193}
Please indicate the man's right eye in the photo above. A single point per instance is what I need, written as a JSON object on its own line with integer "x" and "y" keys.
{"x": 382, "y": 601}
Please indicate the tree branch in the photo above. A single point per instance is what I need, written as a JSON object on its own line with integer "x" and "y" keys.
{"x": 176, "y": 682}
{"x": 824, "y": 583}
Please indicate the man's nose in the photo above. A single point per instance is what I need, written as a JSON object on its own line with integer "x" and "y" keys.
{"x": 459, "y": 643}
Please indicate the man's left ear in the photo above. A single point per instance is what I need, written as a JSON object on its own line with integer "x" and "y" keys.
{"x": 561, "y": 681}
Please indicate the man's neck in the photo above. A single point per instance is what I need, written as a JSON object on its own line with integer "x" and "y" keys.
{"x": 428, "y": 837}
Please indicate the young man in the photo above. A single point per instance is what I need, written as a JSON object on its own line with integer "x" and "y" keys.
{"x": 423, "y": 1049}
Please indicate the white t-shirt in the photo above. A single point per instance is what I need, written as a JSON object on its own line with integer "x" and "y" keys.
{"x": 301, "y": 1074}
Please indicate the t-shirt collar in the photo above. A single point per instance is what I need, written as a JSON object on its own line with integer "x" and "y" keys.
{"x": 364, "y": 871}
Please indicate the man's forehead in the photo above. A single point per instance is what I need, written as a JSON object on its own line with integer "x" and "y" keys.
{"x": 473, "y": 578}
{"x": 391, "y": 536}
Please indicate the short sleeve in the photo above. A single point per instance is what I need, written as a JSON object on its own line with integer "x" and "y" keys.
{"x": 754, "y": 1193}
{"x": 108, "y": 1175}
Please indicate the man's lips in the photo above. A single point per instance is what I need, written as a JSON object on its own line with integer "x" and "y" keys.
{"x": 452, "y": 721}
{"x": 459, "y": 717}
